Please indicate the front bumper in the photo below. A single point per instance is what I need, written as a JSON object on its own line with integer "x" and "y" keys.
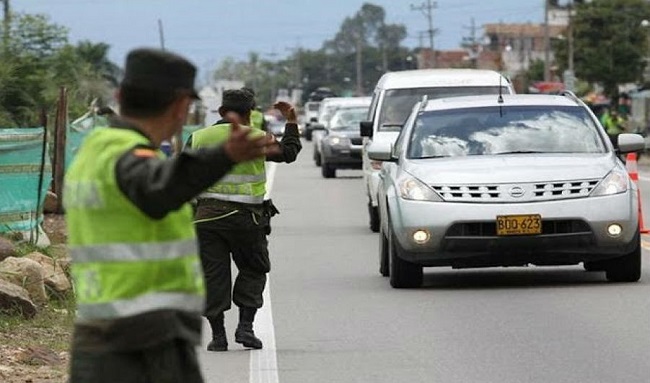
{"x": 577, "y": 231}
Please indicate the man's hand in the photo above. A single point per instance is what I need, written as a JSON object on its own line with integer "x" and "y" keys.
{"x": 287, "y": 110}
{"x": 241, "y": 146}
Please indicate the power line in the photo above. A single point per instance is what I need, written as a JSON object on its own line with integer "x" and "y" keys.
{"x": 427, "y": 9}
{"x": 471, "y": 43}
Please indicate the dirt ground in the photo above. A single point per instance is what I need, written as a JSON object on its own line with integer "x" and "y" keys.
{"x": 36, "y": 350}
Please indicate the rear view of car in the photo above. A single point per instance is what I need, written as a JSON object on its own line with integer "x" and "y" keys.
{"x": 475, "y": 182}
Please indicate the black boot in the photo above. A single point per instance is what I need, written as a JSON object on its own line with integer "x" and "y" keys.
{"x": 219, "y": 341}
{"x": 244, "y": 334}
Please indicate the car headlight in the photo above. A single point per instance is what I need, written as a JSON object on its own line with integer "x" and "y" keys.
{"x": 415, "y": 190}
{"x": 339, "y": 141}
{"x": 616, "y": 182}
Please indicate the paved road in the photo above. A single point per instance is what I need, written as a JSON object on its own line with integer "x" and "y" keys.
{"x": 336, "y": 320}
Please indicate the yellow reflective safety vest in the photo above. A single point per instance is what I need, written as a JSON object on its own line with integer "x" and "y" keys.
{"x": 257, "y": 119}
{"x": 125, "y": 263}
{"x": 246, "y": 182}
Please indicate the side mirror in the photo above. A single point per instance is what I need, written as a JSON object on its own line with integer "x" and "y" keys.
{"x": 317, "y": 127}
{"x": 381, "y": 151}
{"x": 366, "y": 128}
{"x": 629, "y": 142}
{"x": 313, "y": 119}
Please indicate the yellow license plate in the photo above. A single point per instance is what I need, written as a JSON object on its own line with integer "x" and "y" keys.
{"x": 519, "y": 224}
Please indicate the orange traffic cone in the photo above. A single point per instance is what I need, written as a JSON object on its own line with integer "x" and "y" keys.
{"x": 633, "y": 171}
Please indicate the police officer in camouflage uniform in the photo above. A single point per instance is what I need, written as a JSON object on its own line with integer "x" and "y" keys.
{"x": 233, "y": 219}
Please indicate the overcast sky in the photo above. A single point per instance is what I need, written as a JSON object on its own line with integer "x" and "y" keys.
{"x": 206, "y": 31}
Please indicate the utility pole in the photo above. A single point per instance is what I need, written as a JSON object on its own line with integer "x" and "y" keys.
{"x": 6, "y": 22}
{"x": 177, "y": 141}
{"x": 547, "y": 44}
{"x": 471, "y": 43}
{"x": 359, "y": 60}
{"x": 569, "y": 74}
{"x": 427, "y": 9}
{"x": 571, "y": 40}
{"x": 161, "y": 34}
{"x": 297, "y": 64}
{"x": 273, "y": 54}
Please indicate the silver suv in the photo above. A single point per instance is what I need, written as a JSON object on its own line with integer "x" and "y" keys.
{"x": 506, "y": 181}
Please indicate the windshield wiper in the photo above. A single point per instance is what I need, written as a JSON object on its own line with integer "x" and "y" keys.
{"x": 519, "y": 152}
{"x": 428, "y": 157}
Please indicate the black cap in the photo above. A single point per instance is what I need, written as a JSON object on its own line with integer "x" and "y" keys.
{"x": 252, "y": 93}
{"x": 237, "y": 100}
{"x": 156, "y": 69}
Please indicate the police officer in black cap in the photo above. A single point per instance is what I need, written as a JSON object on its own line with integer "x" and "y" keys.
{"x": 233, "y": 220}
{"x": 140, "y": 291}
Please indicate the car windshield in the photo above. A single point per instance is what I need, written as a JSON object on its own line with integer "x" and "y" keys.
{"x": 398, "y": 103}
{"x": 504, "y": 130}
{"x": 313, "y": 107}
{"x": 349, "y": 118}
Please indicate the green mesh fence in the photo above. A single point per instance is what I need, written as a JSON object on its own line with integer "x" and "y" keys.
{"x": 21, "y": 154}
{"x": 23, "y": 167}
{"x": 77, "y": 132}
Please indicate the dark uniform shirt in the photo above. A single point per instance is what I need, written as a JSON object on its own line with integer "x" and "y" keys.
{"x": 157, "y": 187}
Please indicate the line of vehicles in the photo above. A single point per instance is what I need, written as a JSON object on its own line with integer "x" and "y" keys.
{"x": 460, "y": 171}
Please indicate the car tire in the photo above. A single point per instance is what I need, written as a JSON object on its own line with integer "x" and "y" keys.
{"x": 374, "y": 220}
{"x": 327, "y": 170}
{"x": 308, "y": 135}
{"x": 317, "y": 159}
{"x": 403, "y": 274}
{"x": 626, "y": 268}
{"x": 384, "y": 264}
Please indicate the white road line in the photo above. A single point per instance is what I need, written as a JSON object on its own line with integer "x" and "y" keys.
{"x": 644, "y": 178}
{"x": 264, "y": 363}
{"x": 271, "y": 167}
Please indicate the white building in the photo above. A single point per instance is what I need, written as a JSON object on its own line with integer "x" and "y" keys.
{"x": 212, "y": 95}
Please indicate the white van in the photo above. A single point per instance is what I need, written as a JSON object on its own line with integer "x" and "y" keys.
{"x": 393, "y": 99}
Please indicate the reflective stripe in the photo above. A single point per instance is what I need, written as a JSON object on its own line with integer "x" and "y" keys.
{"x": 217, "y": 218}
{"x": 234, "y": 198}
{"x": 145, "y": 303}
{"x": 132, "y": 252}
{"x": 243, "y": 178}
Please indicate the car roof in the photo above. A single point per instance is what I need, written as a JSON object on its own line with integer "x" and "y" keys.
{"x": 426, "y": 78}
{"x": 348, "y": 107}
{"x": 347, "y": 101}
{"x": 493, "y": 100}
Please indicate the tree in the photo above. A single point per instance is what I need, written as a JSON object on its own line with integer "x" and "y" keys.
{"x": 389, "y": 37}
{"x": 230, "y": 69}
{"x": 96, "y": 54}
{"x": 364, "y": 48}
{"x": 35, "y": 36}
{"x": 610, "y": 43}
{"x": 356, "y": 33}
{"x": 37, "y": 60}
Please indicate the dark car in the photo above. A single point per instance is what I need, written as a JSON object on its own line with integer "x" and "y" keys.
{"x": 342, "y": 145}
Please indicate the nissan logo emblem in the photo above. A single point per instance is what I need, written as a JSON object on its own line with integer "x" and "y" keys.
{"x": 517, "y": 192}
